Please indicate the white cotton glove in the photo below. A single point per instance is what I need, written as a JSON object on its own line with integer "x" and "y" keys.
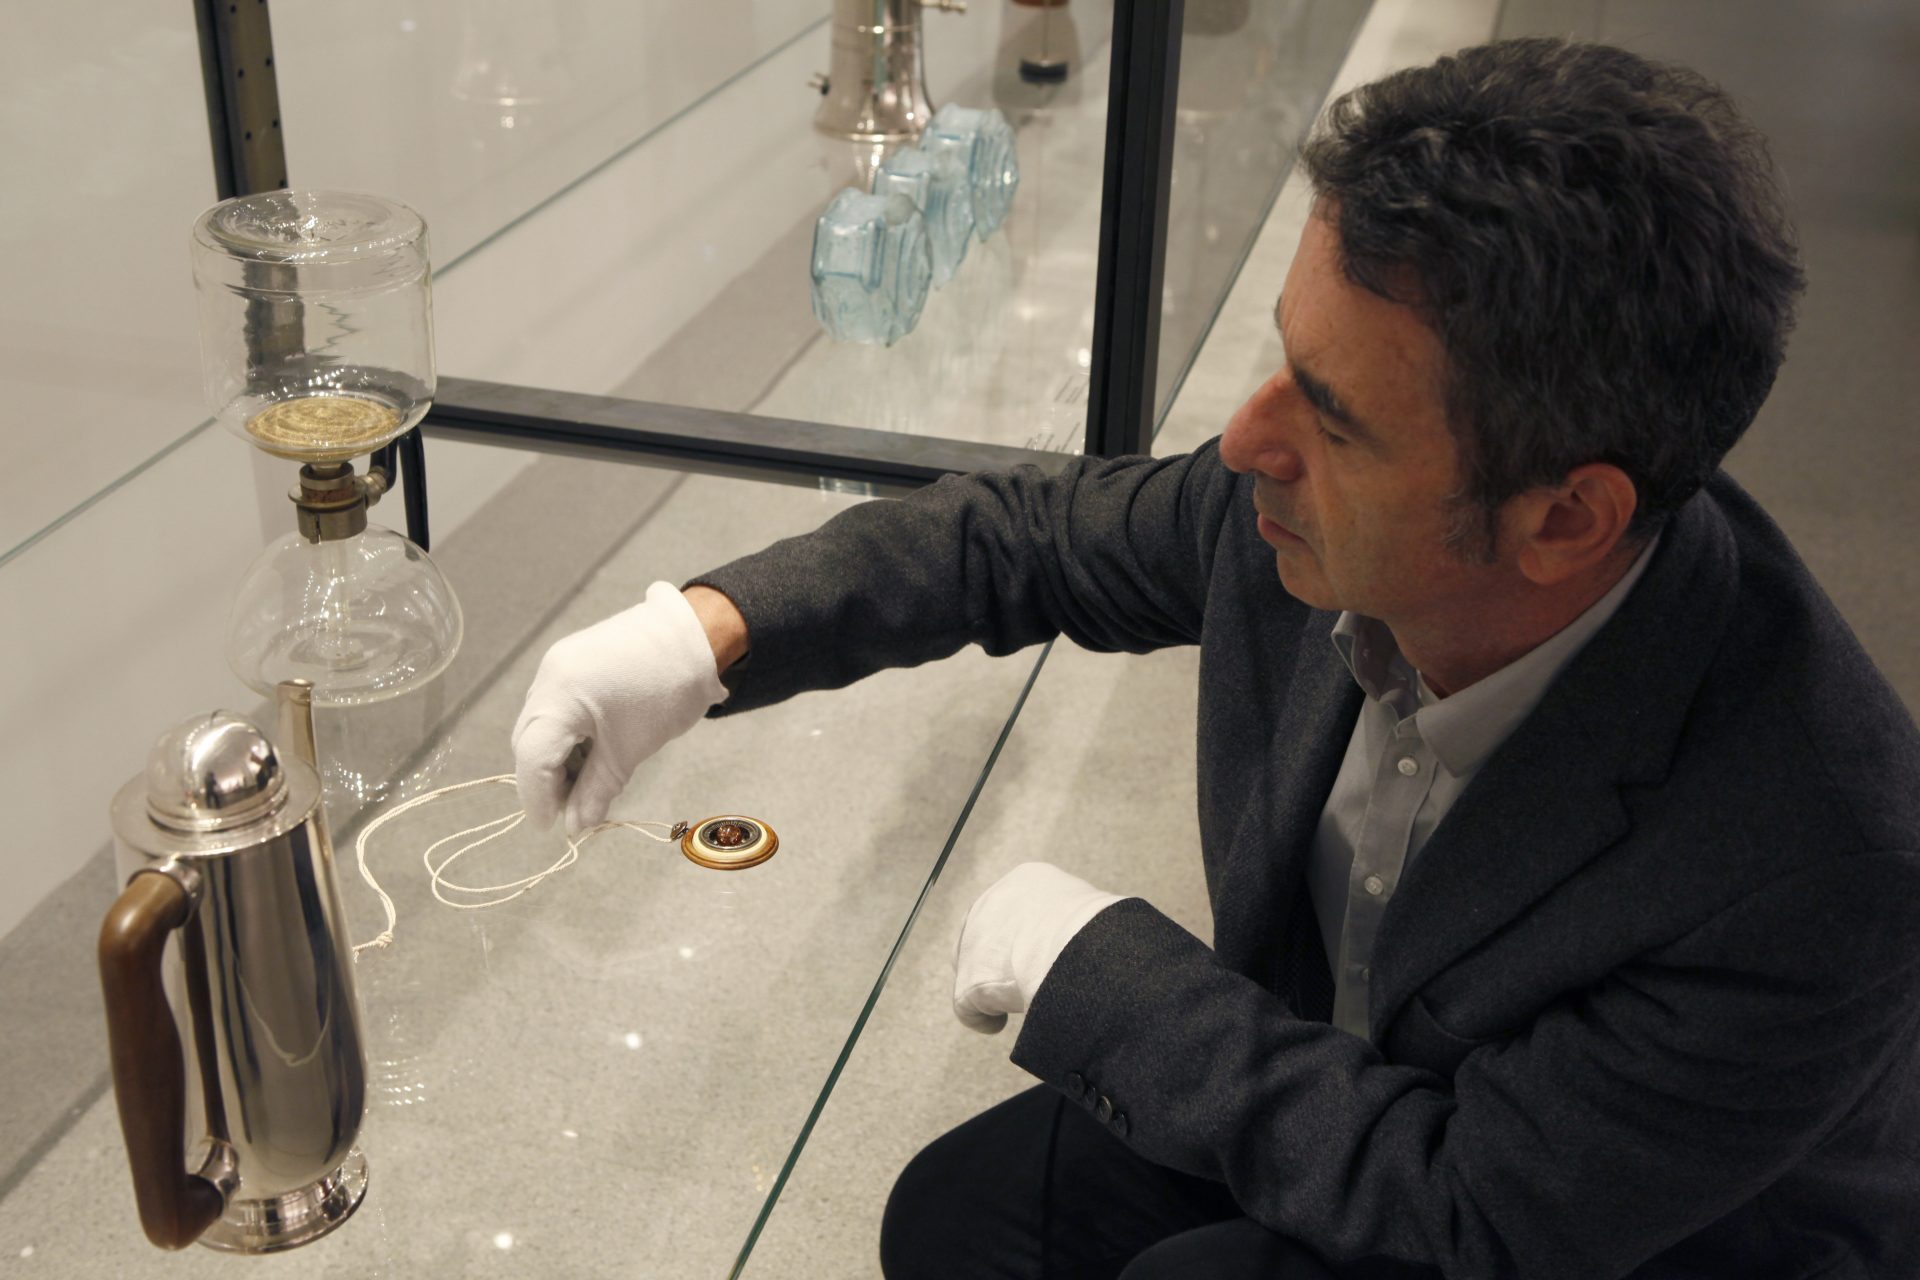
{"x": 1012, "y": 935}
{"x": 632, "y": 683}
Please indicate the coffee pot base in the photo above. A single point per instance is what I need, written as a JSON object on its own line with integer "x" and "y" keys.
{"x": 294, "y": 1218}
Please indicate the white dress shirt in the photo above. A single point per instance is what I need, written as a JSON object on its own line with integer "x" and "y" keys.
{"x": 1411, "y": 755}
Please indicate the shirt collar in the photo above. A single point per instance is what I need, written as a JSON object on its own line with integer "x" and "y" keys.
{"x": 1465, "y": 728}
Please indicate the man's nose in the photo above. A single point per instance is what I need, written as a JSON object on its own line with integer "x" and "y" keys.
{"x": 1262, "y": 435}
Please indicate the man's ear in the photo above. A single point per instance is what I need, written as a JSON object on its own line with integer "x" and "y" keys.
{"x": 1566, "y": 529}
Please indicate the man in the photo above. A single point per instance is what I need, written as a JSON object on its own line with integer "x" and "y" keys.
{"x": 1560, "y": 839}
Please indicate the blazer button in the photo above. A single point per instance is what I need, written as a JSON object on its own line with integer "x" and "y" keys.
{"x": 1103, "y": 1109}
{"x": 1076, "y": 1085}
{"x": 1120, "y": 1125}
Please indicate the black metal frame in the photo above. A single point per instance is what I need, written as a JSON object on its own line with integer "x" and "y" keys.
{"x": 711, "y": 441}
{"x": 243, "y": 96}
{"x": 249, "y": 155}
{"x": 244, "y": 116}
{"x": 404, "y": 463}
{"x": 1135, "y": 185}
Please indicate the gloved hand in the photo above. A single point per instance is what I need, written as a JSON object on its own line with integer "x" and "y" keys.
{"x": 1012, "y": 935}
{"x": 631, "y": 683}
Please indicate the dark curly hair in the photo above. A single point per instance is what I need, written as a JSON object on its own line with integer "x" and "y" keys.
{"x": 1600, "y": 244}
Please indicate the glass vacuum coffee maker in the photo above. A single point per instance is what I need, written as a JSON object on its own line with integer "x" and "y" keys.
{"x": 317, "y": 346}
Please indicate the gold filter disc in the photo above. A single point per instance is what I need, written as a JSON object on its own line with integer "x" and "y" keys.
{"x": 729, "y": 843}
{"x": 323, "y": 428}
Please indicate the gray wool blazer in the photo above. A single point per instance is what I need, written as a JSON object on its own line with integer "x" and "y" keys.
{"x": 1648, "y": 1002}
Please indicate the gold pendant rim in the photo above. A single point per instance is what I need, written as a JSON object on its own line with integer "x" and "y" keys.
{"x": 713, "y": 858}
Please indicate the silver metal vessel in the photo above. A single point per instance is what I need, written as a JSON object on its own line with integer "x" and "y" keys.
{"x": 238, "y": 1059}
{"x": 876, "y": 84}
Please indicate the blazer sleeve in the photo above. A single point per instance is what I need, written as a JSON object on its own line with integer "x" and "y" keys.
{"x": 1622, "y": 1120}
{"x": 1115, "y": 554}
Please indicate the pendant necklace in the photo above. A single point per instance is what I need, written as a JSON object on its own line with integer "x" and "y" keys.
{"x": 730, "y": 842}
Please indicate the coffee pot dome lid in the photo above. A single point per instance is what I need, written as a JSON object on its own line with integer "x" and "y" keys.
{"x": 213, "y": 773}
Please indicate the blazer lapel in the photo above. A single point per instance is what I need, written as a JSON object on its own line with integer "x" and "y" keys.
{"x": 1547, "y": 801}
{"x": 1533, "y": 816}
{"x": 1265, "y": 872}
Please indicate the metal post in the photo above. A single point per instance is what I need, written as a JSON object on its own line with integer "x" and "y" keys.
{"x": 1133, "y": 225}
{"x": 250, "y": 156}
{"x": 411, "y": 452}
{"x": 243, "y": 96}
{"x": 243, "y": 120}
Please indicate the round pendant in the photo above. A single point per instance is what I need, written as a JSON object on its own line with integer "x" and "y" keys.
{"x": 729, "y": 843}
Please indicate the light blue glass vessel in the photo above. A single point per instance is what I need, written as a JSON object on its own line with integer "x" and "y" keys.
{"x": 983, "y": 141}
{"x": 939, "y": 185}
{"x": 872, "y": 267}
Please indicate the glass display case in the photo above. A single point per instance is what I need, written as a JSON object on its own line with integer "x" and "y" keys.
{"x": 698, "y": 291}
{"x": 621, "y": 1069}
{"x": 623, "y": 200}
{"x": 621, "y": 1063}
{"x": 701, "y": 203}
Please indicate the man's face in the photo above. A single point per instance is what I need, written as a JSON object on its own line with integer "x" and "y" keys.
{"x": 1352, "y": 460}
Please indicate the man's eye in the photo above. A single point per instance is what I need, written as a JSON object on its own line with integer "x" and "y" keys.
{"x": 1332, "y": 437}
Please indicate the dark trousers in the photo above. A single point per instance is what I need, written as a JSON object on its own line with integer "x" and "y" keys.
{"x": 1035, "y": 1188}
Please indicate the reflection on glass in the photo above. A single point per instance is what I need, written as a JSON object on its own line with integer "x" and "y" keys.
{"x": 1252, "y": 75}
{"x": 513, "y": 59}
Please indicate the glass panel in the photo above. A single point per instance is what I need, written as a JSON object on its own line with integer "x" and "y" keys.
{"x": 104, "y": 127}
{"x": 635, "y": 187}
{"x": 475, "y": 111}
{"x": 615, "y": 1065}
{"x": 1253, "y": 74}
{"x": 678, "y": 269}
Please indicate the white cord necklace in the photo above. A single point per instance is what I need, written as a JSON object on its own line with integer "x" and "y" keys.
{"x": 727, "y": 843}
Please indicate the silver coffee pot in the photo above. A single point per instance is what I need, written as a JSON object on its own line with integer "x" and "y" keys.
{"x": 238, "y": 1061}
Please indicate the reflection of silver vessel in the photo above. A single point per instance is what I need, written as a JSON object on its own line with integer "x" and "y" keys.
{"x": 876, "y": 88}
{"x": 514, "y": 60}
{"x": 231, "y": 1016}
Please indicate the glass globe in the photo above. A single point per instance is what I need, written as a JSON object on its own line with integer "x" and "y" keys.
{"x": 365, "y": 618}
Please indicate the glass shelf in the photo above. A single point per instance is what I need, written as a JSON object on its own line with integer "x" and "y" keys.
{"x": 696, "y": 290}
{"x": 621, "y": 1063}
{"x": 1003, "y": 354}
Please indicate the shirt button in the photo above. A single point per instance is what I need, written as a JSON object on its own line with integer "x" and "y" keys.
{"x": 1408, "y": 766}
{"x": 1366, "y": 973}
{"x": 1374, "y": 885}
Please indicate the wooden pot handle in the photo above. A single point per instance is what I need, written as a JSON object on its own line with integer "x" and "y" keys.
{"x": 149, "y": 1073}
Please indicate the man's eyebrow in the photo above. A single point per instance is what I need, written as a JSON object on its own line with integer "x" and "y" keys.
{"x": 1321, "y": 396}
